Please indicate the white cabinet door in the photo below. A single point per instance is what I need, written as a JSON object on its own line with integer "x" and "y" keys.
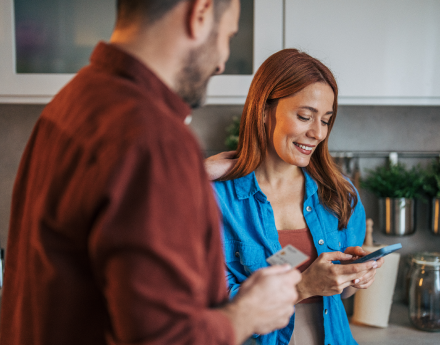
{"x": 82, "y": 28}
{"x": 42, "y": 42}
{"x": 267, "y": 40}
{"x": 381, "y": 51}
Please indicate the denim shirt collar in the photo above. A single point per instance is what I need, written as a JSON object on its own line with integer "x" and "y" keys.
{"x": 247, "y": 186}
{"x": 311, "y": 187}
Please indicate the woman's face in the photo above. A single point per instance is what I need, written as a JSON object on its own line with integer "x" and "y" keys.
{"x": 298, "y": 123}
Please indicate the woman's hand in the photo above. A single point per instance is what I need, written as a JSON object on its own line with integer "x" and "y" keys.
{"x": 323, "y": 278}
{"x": 368, "y": 279}
{"x": 218, "y": 165}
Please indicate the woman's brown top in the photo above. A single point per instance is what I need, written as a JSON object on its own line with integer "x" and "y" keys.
{"x": 302, "y": 240}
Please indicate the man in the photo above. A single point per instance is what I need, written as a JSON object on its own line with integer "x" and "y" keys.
{"x": 114, "y": 235}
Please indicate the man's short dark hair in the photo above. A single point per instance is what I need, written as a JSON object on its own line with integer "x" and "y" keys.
{"x": 152, "y": 10}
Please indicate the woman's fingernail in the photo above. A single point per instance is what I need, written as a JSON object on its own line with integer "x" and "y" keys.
{"x": 357, "y": 281}
{"x": 374, "y": 264}
{"x": 348, "y": 256}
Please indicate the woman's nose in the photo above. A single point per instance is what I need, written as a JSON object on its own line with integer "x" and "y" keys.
{"x": 318, "y": 130}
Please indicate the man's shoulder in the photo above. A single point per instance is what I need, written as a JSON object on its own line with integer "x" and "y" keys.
{"x": 98, "y": 106}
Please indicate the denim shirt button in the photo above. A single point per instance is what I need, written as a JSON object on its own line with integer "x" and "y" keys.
{"x": 326, "y": 311}
{"x": 321, "y": 242}
{"x": 237, "y": 254}
{"x": 308, "y": 208}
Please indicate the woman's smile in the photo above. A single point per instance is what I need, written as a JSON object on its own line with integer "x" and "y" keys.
{"x": 300, "y": 120}
{"x": 307, "y": 150}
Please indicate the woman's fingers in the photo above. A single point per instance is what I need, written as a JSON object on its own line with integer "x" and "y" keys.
{"x": 325, "y": 278}
{"x": 363, "y": 274}
{"x": 346, "y": 275}
{"x": 356, "y": 251}
{"x": 366, "y": 280}
{"x": 380, "y": 262}
{"x": 354, "y": 269}
{"x": 335, "y": 256}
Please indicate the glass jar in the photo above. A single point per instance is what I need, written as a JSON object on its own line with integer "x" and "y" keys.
{"x": 408, "y": 265}
{"x": 424, "y": 292}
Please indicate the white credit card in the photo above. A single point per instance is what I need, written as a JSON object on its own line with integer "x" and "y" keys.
{"x": 288, "y": 255}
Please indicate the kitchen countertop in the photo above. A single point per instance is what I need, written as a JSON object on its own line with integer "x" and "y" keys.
{"x": 399, "y": 332}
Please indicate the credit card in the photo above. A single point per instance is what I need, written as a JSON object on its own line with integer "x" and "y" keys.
{"x": 288, "y": 255}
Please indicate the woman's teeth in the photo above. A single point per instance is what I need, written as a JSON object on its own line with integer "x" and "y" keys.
{"x": 308, "y": 148}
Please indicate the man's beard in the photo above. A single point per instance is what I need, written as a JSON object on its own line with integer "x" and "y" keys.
{"x": 199, "y": 66}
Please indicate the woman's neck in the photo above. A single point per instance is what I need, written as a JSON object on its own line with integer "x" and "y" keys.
{"x": 276, "y": 173}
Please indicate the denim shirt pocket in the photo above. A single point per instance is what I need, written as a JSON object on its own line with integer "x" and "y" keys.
{"x": 250, "y": 256}
{"x": 335, "y": 240}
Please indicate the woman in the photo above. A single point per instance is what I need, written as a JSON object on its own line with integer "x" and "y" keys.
{"x": 285, "y": 189}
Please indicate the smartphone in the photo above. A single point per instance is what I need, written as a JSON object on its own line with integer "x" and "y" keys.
{"x": 378, "y": 253}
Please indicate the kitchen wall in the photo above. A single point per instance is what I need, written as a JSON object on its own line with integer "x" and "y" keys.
{"x": 366, "y": 128}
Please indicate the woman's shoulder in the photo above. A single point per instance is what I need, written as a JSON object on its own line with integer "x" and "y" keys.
{"x": 239, "y": 187}
{"x": 223, "y": 186}
{"x": 225, "y": 193}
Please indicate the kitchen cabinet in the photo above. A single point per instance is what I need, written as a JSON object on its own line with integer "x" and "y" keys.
{"x": 381, "y": 52}
{"x": 267, "y": 39}
{"x": 43, "y": 44}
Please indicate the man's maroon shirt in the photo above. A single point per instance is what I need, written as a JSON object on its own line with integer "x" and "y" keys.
{"x": 114, "y": 235}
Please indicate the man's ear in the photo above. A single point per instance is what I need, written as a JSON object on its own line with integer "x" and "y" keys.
{"x": 200, "y": 18}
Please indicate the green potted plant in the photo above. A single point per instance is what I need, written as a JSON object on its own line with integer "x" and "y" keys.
{"x": 431, "y": 187}
{"x": 396, "y": 188}
{"x": 231, "y": 141}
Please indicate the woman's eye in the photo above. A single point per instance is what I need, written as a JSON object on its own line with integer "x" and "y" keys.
{"x": 325, "y": 123}
{"x": 302, "y": 118}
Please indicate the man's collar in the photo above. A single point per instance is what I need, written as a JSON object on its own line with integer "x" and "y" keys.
{"x": 116, "y": 61}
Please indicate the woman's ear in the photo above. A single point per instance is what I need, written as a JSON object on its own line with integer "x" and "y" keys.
{"x": 265, "y": 111}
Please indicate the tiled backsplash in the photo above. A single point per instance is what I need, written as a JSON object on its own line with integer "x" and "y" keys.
{"x": 357, "y": 128}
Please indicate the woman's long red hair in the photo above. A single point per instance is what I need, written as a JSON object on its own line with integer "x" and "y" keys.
{"x": 284, "y": 74}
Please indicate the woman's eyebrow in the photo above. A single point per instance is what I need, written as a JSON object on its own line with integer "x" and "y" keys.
{"x": 315, "y": 110}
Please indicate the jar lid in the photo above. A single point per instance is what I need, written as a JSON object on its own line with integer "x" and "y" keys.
{"x": 427, "y": 259}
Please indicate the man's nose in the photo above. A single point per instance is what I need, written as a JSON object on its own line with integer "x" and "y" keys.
{"x": 220, "y": 69}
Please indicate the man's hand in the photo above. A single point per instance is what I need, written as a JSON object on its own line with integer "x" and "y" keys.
{"x": 218, "y": 165}
{"x": 265, "y": 301}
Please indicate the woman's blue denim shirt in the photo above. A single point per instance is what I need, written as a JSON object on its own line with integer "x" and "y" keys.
{"x": 250, "y": 236}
